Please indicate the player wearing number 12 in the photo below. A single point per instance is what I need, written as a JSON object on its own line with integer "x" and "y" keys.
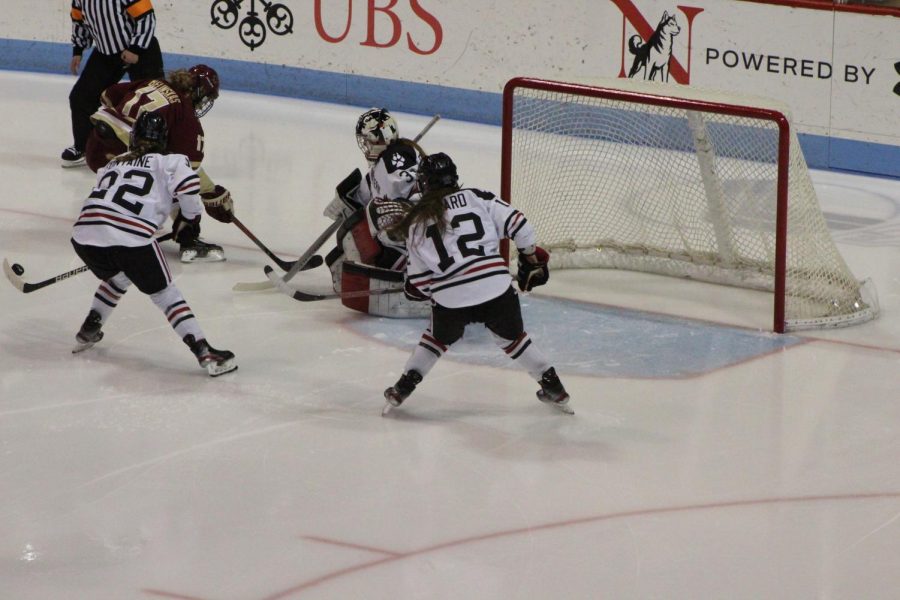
{"x": 114, "y": 236}
{"x": 453, "y": 238}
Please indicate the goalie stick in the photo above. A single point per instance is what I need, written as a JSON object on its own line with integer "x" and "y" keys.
{"x": 26, "y": 288}
{"x": 309, "y": 297}
{"x": 319, "y": 240}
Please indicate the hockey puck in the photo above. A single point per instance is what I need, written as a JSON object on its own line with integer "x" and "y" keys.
{"x": 18, "y": 269}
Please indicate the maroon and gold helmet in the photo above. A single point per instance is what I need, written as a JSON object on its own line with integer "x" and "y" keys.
{"x": 205, "y": 90}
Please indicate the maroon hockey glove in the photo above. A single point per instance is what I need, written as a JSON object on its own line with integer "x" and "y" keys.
{"x": 218, "y": 204}
{"x": 532, "y": 274}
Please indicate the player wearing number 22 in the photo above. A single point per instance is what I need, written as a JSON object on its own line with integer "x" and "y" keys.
{"x": 114, "y": 236}
{"x": 453, "y": 238}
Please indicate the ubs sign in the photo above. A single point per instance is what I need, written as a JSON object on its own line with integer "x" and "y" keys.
{"x": 384, "y": 25}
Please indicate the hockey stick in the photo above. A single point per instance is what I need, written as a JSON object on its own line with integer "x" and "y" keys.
{"x": 26, "y": 288}
{"x": 307, "y": 297}
{"x": 284, "y": 265}
{"x": 308, "y": 257}
{"x": 327, "y": 233}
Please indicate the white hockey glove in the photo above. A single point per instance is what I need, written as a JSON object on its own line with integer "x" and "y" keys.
{"x": 533, "y": 269}
{"x": 218, "y": 204}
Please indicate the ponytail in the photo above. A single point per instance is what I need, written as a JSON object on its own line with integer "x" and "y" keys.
{"x": 429, "y": 208}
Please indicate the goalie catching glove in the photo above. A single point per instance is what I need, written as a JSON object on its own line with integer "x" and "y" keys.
{"x": 533, "y": 269}
{"x": 218, "y": 204}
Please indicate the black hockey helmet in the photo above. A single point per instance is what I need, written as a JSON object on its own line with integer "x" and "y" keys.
{"x": 437, "y": 171}
{"x": 150, "y": 133}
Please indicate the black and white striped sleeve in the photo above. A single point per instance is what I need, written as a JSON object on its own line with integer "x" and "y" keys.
{"x": 141, "y": 12}
{"x": 81, "y": 35}
{"x": 510, "y": 222}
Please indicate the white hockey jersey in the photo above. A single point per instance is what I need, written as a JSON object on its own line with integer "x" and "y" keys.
{"x": 463, "y": 266}
{"x": 132, "y": 199}
{"x": 393, "y": 176}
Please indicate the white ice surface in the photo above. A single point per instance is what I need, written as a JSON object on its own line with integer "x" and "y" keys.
{"x": 125, "y": 472}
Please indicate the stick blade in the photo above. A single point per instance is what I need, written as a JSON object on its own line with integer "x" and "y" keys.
{"x": 14, "y": 279}
{"x": 261, "y": 286}
{"x": 252, "y": 286}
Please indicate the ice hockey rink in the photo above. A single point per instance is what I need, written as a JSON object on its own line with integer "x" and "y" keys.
{"x": 708, "y": 457}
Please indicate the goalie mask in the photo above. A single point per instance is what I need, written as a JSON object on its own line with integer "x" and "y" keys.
{"x": 205, "y": 89}
{"x": 150, "y": 133}
{"x": 375, "y": 130}
{"x": 437, "y": 171}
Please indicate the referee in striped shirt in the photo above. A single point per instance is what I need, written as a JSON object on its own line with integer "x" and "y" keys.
{"x": 122, "y": 33}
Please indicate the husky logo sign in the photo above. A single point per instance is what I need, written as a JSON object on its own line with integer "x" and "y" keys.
{"x": 252, "y": 29}
{"x": 651, "y": 50}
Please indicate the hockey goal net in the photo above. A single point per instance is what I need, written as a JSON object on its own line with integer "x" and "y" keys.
{"x": 671, "y": 180}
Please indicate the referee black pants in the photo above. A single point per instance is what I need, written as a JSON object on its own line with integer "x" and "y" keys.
{"x": 98, "y": 73}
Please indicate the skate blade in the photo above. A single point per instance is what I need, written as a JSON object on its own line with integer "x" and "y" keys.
{"x": 79, "y": 347}
{"x": 565, "y": 408}
{"x": 191, "y": 256}
{"x": 562, "y": 406}
{"x": 215, "y": 370}
{"x": 82, "y": 346}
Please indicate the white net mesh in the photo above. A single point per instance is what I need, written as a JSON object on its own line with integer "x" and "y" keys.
{"x": 630, "y": 185}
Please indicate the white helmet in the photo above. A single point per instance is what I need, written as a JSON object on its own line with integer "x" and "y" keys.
{"x": 375, "y": 130}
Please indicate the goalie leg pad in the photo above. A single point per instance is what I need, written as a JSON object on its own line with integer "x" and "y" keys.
{"x": 352, "y": 229}
{"x": 358, "y": 277}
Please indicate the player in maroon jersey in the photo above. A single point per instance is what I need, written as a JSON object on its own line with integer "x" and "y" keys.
{"x": 181, "y": 99}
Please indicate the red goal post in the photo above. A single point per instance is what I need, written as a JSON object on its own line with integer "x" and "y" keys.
{"x": 669, "y": 179}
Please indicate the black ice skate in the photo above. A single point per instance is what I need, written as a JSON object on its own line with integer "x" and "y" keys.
{"x": 89, "y": 334}
{"x": 216, "y": 362}
{"x": 552, "y": 391}
{"x": 72, "y": 158}
{"x": 400, "y": 391}
{"x": 199, "y": 251}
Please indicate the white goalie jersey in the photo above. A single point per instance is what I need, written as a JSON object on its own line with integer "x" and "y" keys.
{"x": 133, "y": 198}
{"x": 393, "y": 176}
{"x": 462, "y": 265}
